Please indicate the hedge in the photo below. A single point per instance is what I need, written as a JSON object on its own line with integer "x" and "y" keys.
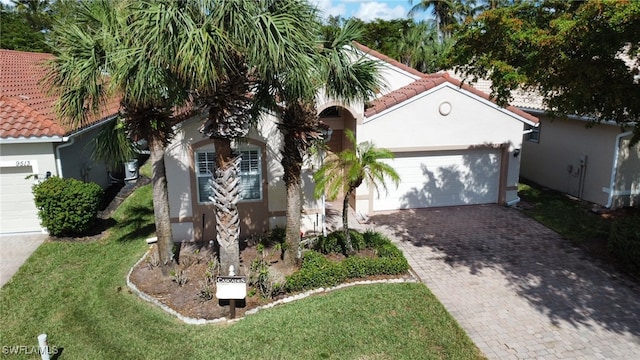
{"x": 317, "y": 271}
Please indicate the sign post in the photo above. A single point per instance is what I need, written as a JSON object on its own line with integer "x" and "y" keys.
{"x": 231, "y": 288}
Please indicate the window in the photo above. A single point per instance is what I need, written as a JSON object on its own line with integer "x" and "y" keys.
{"x": 250, "y": 173}
{"x": 205, "y": 163}
{"x": 533, "y": 133}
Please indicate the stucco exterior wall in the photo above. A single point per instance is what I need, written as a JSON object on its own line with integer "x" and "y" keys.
{"x": 556, "y": 160}
{"x": 192, "y": 220}
{"x": 39, "y": 155}
{"x": 394, "y": 78}
{"x": 77, "y": 163}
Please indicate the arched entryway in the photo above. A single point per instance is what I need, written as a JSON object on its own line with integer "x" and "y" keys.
{"x": 338, "y": 119}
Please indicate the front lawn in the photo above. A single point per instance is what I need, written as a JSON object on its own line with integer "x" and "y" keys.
{"x": 76, "y": 293}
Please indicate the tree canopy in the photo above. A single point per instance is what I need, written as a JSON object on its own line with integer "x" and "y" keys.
{"x": 582, "y": 57}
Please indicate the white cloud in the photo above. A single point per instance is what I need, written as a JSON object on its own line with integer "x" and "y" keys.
{"x": 327, "y": 8}
{"x": 372, "y": 10}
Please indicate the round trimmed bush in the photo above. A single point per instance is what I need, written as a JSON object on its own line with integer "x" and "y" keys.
{"x": 67, "y": 207}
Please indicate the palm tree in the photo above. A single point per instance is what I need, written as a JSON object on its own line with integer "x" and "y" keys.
{"x": 445, "y": 13}
{"x": 227, "y": 54}
{"x": 342, "y": 73}
{"x": 99, "y": 57}
{"x": 346, "y": 171}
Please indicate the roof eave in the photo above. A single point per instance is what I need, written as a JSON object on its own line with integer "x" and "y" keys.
{"x": 31, "y": 140}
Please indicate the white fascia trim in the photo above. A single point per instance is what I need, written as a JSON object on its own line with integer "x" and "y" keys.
{"x": 461, "y": 91}
{"x": 32, "y": 140}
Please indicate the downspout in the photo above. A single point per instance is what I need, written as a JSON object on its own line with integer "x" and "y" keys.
{"x": 58, "y": 159}
{"x": 614, "y": 168}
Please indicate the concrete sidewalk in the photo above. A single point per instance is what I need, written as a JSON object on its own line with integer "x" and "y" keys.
{"x": 15, "y": 249}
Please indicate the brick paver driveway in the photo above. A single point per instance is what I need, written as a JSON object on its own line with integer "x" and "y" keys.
{"x": 516, "y": 287}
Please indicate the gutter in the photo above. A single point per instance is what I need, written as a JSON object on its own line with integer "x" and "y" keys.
{"x": 614, "y": 168}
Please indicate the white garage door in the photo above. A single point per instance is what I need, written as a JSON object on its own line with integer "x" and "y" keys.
{"x": 18, "y": 212}
{"x": 443, "y": 178}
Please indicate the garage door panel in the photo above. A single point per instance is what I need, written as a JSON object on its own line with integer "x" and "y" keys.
{"x": 443, "y": 179}
{"x": 18, "y": 211}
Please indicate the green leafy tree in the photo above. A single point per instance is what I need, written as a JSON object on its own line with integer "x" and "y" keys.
{"x": 99, "y": 56}
{"x": 582, "y": 57}
{"x": 344, "y": 172}
{"x": 25, "y": 25}
{"x": 17, "y": 34}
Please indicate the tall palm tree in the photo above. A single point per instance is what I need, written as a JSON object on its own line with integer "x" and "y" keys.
{"x": 228, "y": 54}
{"x": 445, "y": 13}
{"x": 343, "y": 74}
{"x": 346, "y": 171}
{"x": 98, "y": 57}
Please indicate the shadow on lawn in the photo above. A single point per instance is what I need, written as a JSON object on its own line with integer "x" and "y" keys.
{"x": 556, "y": 278}
{"x": 135, "y": 224}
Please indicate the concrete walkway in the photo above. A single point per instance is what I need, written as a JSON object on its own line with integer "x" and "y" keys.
{"x": 15, "y": 250}
{"x": 516, "y": 287}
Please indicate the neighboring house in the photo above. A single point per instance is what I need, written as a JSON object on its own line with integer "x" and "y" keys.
{"x": 453, "y": 147}
{"x": 594, "y": 164}
{"x": 34, "y": 143}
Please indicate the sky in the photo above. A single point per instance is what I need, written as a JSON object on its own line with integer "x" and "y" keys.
{"x": 367, "y": 10}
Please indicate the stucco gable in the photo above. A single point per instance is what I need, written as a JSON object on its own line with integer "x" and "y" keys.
{"x": 430, "y": 82}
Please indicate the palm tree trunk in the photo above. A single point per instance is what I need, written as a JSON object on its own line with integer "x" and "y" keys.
{"x": 161, "y": 204}
{"x": 226, "y": 191}
{"x": 292, "y": 254}
{"x": 345, "y": 223}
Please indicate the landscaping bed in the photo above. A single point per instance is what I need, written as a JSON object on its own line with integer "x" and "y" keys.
{"x": 190, "y": 287}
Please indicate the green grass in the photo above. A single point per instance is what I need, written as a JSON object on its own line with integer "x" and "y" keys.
{"x": 76, "y": 293}
{"x": 568, "y": 217}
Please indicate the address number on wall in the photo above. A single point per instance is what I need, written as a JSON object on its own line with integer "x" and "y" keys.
{"x": 21, "y": 163}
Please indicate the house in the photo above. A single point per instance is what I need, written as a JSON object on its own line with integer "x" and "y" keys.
{"x": 592, "y": 163}
{"x": 34, "y": 143}
{"x": 453, "y": 146}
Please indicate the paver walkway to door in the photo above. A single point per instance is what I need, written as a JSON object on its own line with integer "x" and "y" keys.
{"x": 516, "y": 287}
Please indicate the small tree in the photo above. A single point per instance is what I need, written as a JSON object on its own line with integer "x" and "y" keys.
{"x": 345, "y": 172}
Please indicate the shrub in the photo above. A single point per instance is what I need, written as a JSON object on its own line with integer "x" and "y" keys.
{"x": 67, "y": 207}
{"x": 277, "y": 235}
{"x": 317, "y": 271}
{"x": 624, "y": 242}
{"x": 335, "y": 242}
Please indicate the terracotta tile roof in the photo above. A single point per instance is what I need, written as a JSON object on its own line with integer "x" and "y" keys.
{"x": 429, "y": 82}
{"x": 20, "y": 120}
{"x": 388, "y": 60}
{"x": 522, "y": 99}
{"x": 26, "y": 110}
